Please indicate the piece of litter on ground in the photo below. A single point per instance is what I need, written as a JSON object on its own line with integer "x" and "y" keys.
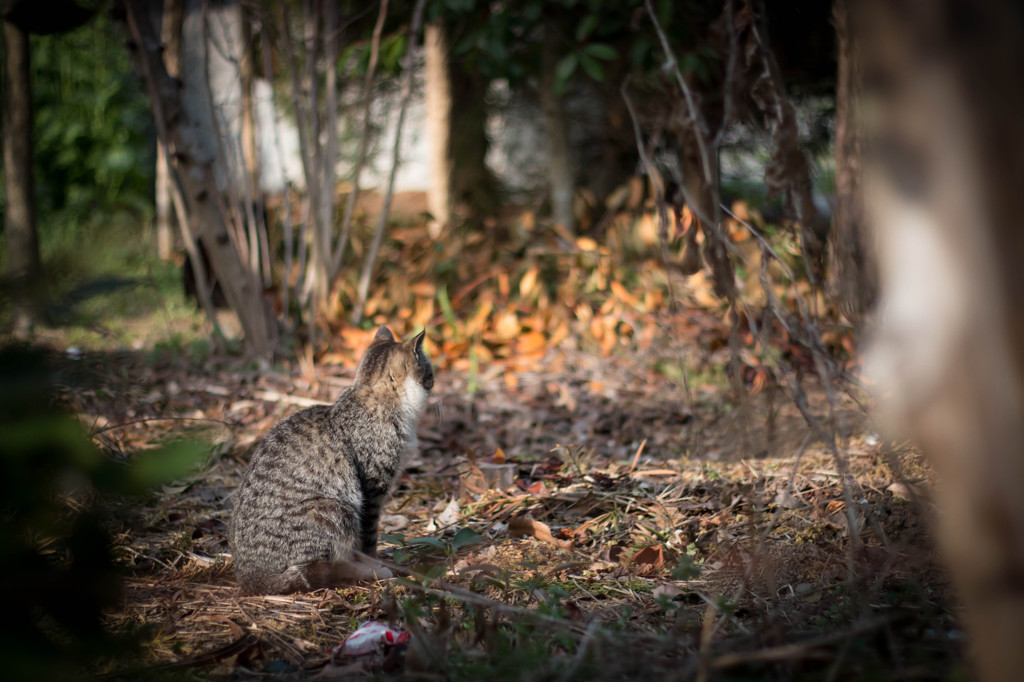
{"x": 450, "y": 514}
{"x": 370, "y": 638}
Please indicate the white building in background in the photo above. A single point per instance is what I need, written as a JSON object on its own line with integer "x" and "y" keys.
{"x": 212, "y": 54}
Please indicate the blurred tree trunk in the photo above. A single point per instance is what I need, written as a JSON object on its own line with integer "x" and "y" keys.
{"x": 474, "y": 188}
{"x": 246, "y": 70}
{"x": 23, "y": 263}
{"x": 946, "y": 160}
{"x": 327, "y": 163}
{"x": 175, "y": 129}
{"x": 170, "y": 36}
{"x": 852, "y": 269}
{"x": 560, "y": 175}
{"x": 438, "y": 92}
{"x": 458, "y": 134}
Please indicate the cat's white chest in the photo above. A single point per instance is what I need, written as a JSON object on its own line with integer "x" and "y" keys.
{"x": 414, "y": 399}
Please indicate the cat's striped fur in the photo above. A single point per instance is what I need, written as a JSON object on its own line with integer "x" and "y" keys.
{"x": 313, "y": 492}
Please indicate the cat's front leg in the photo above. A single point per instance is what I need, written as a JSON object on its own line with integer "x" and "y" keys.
{"x": 372, "y": 506}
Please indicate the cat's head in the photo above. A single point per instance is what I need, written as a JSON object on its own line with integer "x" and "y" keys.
{"x": 403, "y": 366}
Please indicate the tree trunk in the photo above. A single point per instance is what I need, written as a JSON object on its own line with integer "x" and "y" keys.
{"x": 163, "y": 207}
{"x": 23, "y": 262}
{"x": 246, "y": 72}
{"x": 474, "y": 191}
{"x": 170, "y": 36}
{"x": 328, "y": 166}
{"x": 560, "y": 174}
{"x": 852, "y": 271}
{"x": 944, "y": 200}
{"x": 196, "y": 176}
{"x": 438, "y": 93}
{"x": 255, "y": 212}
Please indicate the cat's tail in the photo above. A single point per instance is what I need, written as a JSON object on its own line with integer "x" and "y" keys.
{"x": 311, "y": 576}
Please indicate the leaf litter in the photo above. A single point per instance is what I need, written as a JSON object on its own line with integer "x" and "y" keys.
{"x": 589, "y": 499}
{"x": 599, "y": 545}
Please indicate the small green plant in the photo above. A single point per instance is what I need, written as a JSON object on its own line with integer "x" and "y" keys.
{"x": 422, "y": 549}
{"x": 687, "y": 568}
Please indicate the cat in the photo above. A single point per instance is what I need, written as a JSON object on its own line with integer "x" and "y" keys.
{"x": 307, "y": 510}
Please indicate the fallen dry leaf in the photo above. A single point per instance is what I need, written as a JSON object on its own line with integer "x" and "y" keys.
{"x": 667, "y": 590}
{"x": 650, "y": 557}
{"x": 523, "y": 527}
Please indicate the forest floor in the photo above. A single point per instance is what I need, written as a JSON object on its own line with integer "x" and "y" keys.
{"x": 646, "y": 531}
{"x": 590, "y": 500}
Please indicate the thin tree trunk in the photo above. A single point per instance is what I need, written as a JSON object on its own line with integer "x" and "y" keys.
{"x": 307, "y": 141}
{"x": 246, "y": 239}
{"x": 163, "y": 207}
{"x": 249, "y": 148}
{"x": 408, "y": 73}
{"x": 170, "y": 38}
{"x": 474, "y": 190}
{"x": 23, "y": 263}
{"x": 286, "y": 200}
{"x": 325, "y": 217}
{"x": 314, "y": 273}
{"x": 246, "y": 72}
{"x": 560, "y": 175}
{"x": 364, "y": 141}
{"x": 438, "y": 93}
{"x": 188, "y": 238}
{"x": 853, "y": 272}
{"x": 241, "y": 290}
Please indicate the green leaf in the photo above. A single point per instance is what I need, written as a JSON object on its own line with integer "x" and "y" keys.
{"x": 428, "y": 542}
{"x": 687, "y": 569}
{"x": 563, "y": 71}
{"x": 168, "y": 463}
{"x": 689, "y": 63}
{"x": 601, "y": 51}
{"x": 394, "y": 538}
{"x": 391, "y": 53}
{"x": 466, "y": 537}
{"x": 592, "y": 68}
{"x": 435, "y": 572}
{"x": 446, "y": 306}
{"x": 586, "y": 27}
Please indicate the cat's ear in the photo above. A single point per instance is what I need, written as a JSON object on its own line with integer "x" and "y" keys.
{"x": 383, "y": 334}
{"x": 417, "y": 341}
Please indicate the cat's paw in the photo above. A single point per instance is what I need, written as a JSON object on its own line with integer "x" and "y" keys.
{"x": 372, "y": 571}
{"x": 382, "y": 573}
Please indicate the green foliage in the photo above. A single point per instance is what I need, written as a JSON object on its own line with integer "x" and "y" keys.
{"x": 586, "y": 35}
{"x": 56, "y": 568}
{"x": 94, "y": 154}
{"x": 423, "y": 548}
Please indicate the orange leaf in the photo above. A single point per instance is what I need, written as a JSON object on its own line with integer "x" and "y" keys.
{"x": 620, "y": 293}
{"x": 529, "y": 280}
{"x": 653, "y": 556}
{"x": 424, "y": 289}
{"x": 523, "y": 527}
{"x": 511, "y": 381}
{"x": 531, "y": 342}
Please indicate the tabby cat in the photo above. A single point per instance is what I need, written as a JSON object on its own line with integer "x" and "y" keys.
{"x": 307, "y": 510}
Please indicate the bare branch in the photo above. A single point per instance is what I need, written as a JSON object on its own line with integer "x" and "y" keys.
{"x": 364, "y": 141}
{"x": 408, "y": 73}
